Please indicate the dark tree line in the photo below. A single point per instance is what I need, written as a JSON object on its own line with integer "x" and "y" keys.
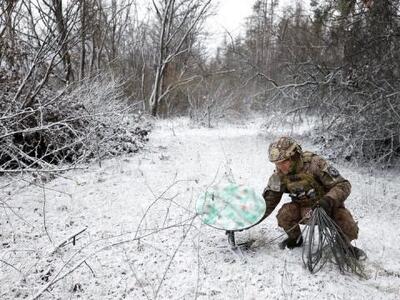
{"x": 64, "y": 83}
{"x": 154, "y": 52}
{"x": 336, "y": 60}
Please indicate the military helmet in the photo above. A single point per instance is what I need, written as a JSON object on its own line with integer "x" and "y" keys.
{"x": 283, "y": 148}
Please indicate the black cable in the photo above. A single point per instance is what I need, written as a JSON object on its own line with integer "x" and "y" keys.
{"x": 325, "y": 239}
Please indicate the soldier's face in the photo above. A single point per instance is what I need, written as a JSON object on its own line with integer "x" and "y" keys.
{"x": 283, "y": 166}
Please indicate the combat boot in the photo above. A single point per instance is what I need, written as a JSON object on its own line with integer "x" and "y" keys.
{"x": 358, "y": 253}
{"x": 291, "y": 243}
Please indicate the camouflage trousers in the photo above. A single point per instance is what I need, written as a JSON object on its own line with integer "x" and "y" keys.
{"x": 292, "y": 213}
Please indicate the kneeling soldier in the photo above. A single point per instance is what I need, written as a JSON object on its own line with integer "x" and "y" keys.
{"x": 310, "y": 181}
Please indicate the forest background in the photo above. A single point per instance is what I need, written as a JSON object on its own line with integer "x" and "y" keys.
{"x": 75, "y": 73}
{"x": 82, "y": 81}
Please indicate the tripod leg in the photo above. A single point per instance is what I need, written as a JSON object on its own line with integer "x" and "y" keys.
{"x": 231, "y": 238}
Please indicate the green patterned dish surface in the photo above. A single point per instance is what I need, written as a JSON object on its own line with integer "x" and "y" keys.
{"x": 233, "y": 207}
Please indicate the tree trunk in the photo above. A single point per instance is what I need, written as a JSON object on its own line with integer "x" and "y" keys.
{"x": 83, "y": 39}
{"x": 63, "y": 36}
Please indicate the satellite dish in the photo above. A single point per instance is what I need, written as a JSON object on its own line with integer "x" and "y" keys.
{"x": 231, "y": 208}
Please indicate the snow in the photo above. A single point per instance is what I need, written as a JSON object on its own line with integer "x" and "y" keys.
{"x": 151, "y": 195}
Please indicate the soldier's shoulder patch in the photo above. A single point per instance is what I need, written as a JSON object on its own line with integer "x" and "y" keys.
{"x": 333, "y": 171}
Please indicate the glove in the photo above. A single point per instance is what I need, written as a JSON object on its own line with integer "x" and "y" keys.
{"x": 265, "y": 193}
{"x": 325, "y": 203}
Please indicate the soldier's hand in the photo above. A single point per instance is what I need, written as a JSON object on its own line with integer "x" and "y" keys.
{"x": 265, "y": 193}
{"x": 325, "y": 203}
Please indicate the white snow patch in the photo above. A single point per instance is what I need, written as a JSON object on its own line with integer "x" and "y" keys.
{"x": 178, "y": 257}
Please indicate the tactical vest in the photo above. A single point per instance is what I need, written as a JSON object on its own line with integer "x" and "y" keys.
{"x": 302, "y": 187}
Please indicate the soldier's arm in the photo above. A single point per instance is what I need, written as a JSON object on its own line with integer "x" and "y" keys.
{"x": 338, "y": 188}
{"x": 272, "y": 194}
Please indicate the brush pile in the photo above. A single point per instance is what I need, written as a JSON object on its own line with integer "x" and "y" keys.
{"x": 80, "y": 123}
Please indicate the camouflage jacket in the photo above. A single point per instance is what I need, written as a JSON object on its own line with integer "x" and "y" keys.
{"x": 313, "y": 179}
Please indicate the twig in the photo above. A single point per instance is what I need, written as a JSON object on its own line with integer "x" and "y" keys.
{"x": 44, "y": 214}
{"x": 70, "y": 238}
{"x": 135, "y": 275}
{"x": 175, "y": 182}
{"x": 58, "y": 276}
{"x": 10, "y": 265}
{"x": 6, "y": 205}
{"x": 172, "y": 258}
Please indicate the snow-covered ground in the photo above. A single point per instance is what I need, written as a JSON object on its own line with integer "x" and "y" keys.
{"x": 142, "y": 240}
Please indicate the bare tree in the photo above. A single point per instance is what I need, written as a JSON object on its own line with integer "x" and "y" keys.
{"x": 62, "y": 27}
{"x": 178, "y": 22}
{"x": 9, "y": 17}
{"x": 83, "y": 17}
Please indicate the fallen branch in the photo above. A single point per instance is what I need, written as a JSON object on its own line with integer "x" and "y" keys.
{"x": 71, "y": 238}
{"x": 58, "y": 277}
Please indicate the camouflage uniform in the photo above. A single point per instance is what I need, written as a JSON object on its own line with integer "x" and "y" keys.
{"x": 310, "y": 179}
